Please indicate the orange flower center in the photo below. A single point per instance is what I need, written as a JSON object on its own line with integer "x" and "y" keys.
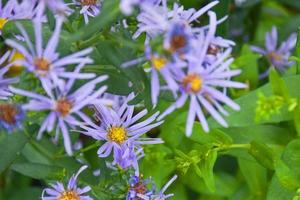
{"x": 8, "y": 113}
{"x": 42, "y": 64}
{"x": 275, "y": 56}
{"x": 178, "y": 42}
{"x": 192, "y": 83}
{"x": 63, "y": 106}
{"x": 88, "y": 2}
{"x": 213, "y": 49}
{"x": 69, "y": 195}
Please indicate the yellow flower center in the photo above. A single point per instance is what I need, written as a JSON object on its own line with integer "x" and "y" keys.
{"x": 3, "y": 21}
{"x": 158, "y": 63}
{"x": 88, "y": 2}
{"x": 42, "y": 64}
{"x": 8, "y": 113}
{"x": 69, "y": 195}
{"x": 63, "y": 106}
{"x": 275, "y": 56}
{"x": 192, "y": 83}
{"x": 17, "y": 56}
{"x": 117, "y": 134}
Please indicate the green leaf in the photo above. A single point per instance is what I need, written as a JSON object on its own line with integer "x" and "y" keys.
{"x": 278, "y": 85}
{"x": 297, "y": 117}
{"x": 207, "y": 167}
{"x": 263, "y": 154}
{"x": 11, "y": 146}
{"x": 287, "y": 177}
{"x": 255, "y": 176}
{"x": 276, "y": 191}
{"x": 291, "y": 156}
{"x": 39, "y": 171}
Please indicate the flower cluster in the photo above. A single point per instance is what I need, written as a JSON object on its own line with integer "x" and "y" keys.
{"x": 194, "y": 63}
{"x": 277, "y": 56}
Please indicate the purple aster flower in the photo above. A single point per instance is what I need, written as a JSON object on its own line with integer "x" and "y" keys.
{"x": 45, "y": 63}
{"x": 64, "y": 107}
{"x": 11, "y": 117}
{"x": 71, "y": 192}
{"x": 5, "y": 82}
{"x": 139, "y": 188}
{"x": 201, "y": 84}
{"x": 89, "y": 8}
{"x": 278, "y": 56}
{"x": 58, "y": 7}
{"x": 127, "y": 6}
{"x": 121, "y": 133}
{"x": 161, "y": 195}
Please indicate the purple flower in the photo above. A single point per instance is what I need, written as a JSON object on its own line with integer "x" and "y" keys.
{"x": 201, "y": 84}
{"x": 278, "y": 56}
{"x": 121, "y": 133}
{"x": 71, "y": 192}
{"x": 11, "y": 117}
{"x": 63, "y": 107}
{"x": 45, "y": 63}
{"x": 5, "y": 82}
{"x": 161, "y": 195}
{"x": 58, "y": 7}
{"x": 139, "y": 188}
{"x": 89, "y": 8}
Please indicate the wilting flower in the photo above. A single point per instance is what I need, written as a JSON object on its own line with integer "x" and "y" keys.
{"x": 127, "y": 6}
{"x": 121, "y": 133}
{"x": 278, "y": 56}
{"x": 140, "y": 188}
{"x": 11, "y": 117}
{"x": 63, "y": 107}
{"x": 161, "y": 195}
{"x": 201, "y": 84}
{"x": 71, "y": 192}
{"x": 45, "y": 63}
{"x": 89, "y": 8}
{"x": 5, "y": 82}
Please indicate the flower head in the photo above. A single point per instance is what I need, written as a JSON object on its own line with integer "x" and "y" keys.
{"x": 45, "y": 63}
{"x": 89, "y": 8}
{"x": 121, "y": 133}
{"x": 140, "y": 188}
{"x": 11, "y": 117}
{"x": 278, "y": 56}
{"x": 63, "y": 106}
{"x": 127, "y": 6}
{"x": 71, "y": 192}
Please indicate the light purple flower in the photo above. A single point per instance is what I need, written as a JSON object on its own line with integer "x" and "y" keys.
{"x": 5, "y": 82}
{"x": 121, "y": 132}
{"x": 200, "y": 84}
{"x": 11, "y": 117}
{"x": 140, "y": 188}
{"x": 278, "y": 56}
{"x": 89, "y": 8}
{"x": 161, "y": 195}
{"x": 58, "y": 7}
{"x": 71, "y": 192}
{"x": 64, "y": 106}
{"x": 46, "y": 63}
